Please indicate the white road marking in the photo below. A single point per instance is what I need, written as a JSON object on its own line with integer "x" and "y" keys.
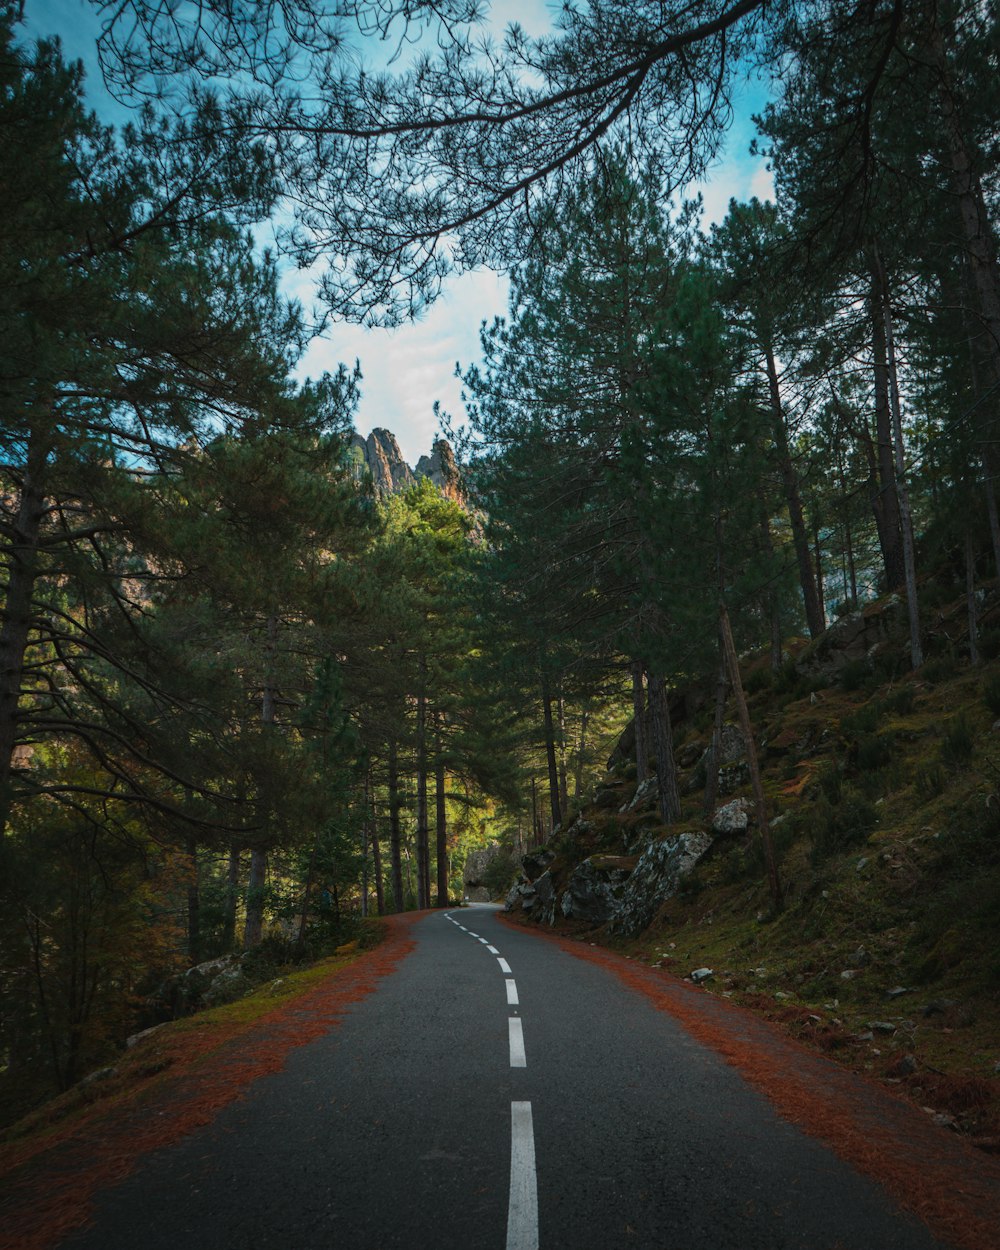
{"x": 518, "y": 1059}
{"x": 463, "y": 928}
{"x": 512, "y": 999}
{"x": 485, "y": 941}
{"x": 504, "y": 965}
{"x": 471, "y": 934}
{"x": 522, "y": 1209}
{"x": 493, "y": 950}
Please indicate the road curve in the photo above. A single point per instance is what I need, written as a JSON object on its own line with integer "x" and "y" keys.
{"x": 496, "y": 1093}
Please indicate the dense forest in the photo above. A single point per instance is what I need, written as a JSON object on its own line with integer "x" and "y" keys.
{"x": 244, "y": 696}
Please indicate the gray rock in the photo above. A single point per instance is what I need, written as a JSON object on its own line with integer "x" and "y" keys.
{"x": 136, "y": 1038}
{"x": 732, "y": 818}
{"x": 102, "y": 1074}
{"x": 646, "y": 795}
{"x": 882, "y": 1026}
{"x": 896, "y": 991}
{"x": 860, "y": 958}
{"x": 656, "y": 877}
{"x": 906, "y": 1066}
{"x": 537, "y": 862}
{"x": 701, "y": 974}
{"x": 227, "y": 987}
{"x": 545, "y": 899}
{"x": 592, "y": 893}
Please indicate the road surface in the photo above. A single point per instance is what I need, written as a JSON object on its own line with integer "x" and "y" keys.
{"x": 497, "y": 1093}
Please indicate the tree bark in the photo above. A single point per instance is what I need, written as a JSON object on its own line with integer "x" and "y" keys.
{"x": 563, "y": 781}
{"x": 899, "y": 465}
{"x": 377, "y": 864}
{"x": 395, "y": 841}
{"x": 441, "y": 823}
{"x": 815, "y": 620}
{"x": 193, "y": 904}
{"x": 639, "y": 721}
{"x": 253, "y": 929}
{"x": 663, "y": 750}
{"x": 423, "y": 872}
{"x": 550, "y": 755}
{"x": 580, "y": 750}
{"x": 885, "y": 502}
{"x": 774, "y": 882}
{"x": 232, "y": 893}
{"x": 715, "y": 748}
{"x": 970, "y": 597}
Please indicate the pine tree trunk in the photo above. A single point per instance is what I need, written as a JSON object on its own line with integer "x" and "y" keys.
{"x": 253, "y": 929}
{"x": 970, "y": 597}
{"x": 820, "y": 589}
{"x": 639, "y": 721}
{"x": 771, "y": 604}
{"x": 22, "y": 571}
{"x": 550, "y": 755}
{"x": 715, "y": 748}
{"x": 885, "y": 502}
{"x": 193, "y": 904}
{"x": 663, "y": 750}
{"x": 563, "y": 782}
{"x": 774, "y": 882}
{"x": 232, "y": 894}
{"x": 423, "y": 893}
{"x": 581, "y": 749}
{"x": 307, "y": 890}
{"x": 899, "y": 464}
{"x": 441, "y": 823}
{"x": 395, "y": 841}
{"x": 815, "y": 620}
{"x": 377, "y": 865}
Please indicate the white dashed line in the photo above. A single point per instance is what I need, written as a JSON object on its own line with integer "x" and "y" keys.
{"x": 518, "y": 1059}
{"x": 504, "y": 965}
{"x": 471, "y": 934}
{"x": 522, "y": 1208}
{"x": 493, "y": 950}
{"x": 512, "y": 999}
{"x": 485, "y": 941}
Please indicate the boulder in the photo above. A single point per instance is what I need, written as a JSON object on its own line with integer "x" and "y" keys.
{"x": 857, "y": 636}
{"x": 646, "y": 795}
{"x": 477, "y": 863}
{"x": 544, "y": 909}
{"x": 595, "y": 887}
{"x": 734, "y": 769}
{"x": 732, "y": 818}
{"x": 656, "y": 877}
{"x": 536, "y": 863}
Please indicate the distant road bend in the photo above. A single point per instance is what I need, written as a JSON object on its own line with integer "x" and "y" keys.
{"x": 495, "y": 1092}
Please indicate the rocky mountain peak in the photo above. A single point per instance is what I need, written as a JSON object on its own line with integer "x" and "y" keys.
{"x": 379, "y": 453}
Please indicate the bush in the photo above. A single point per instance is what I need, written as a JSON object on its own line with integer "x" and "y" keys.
{"x": 838, "y": 828}
{"x": 942, "y": 669}
{"x": 863, "y": 721}
{"x": 957, "y": 745}
{"x": 874, "y": 752}
{"x": 930, "y": 781}
{"x": 900, "y": 701}
{"x": 760, "y": 679}
{"x": 991, "y": 695}
{"x": 830, "y": 781}
{"x": 854, "y": 674}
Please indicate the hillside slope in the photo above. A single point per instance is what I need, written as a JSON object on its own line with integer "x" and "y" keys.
{"x": 882, "y": 795}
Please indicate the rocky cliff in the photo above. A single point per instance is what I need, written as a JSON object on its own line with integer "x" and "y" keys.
{"x": 379, "y": 453}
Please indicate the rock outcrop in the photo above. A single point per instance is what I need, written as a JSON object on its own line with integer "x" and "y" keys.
{"x": 380, "y": 455}
{"x": 440, "y": 467}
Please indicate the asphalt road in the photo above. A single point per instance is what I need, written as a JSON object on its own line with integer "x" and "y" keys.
{"x": 462, "y": 1106}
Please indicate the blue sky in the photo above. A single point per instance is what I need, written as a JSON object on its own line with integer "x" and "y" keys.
{"x": 407, "y": 369}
